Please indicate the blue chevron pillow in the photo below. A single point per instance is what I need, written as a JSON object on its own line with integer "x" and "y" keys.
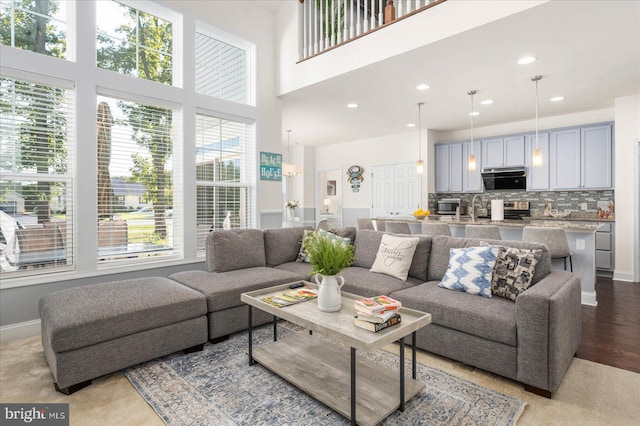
{"x": 470, "y": 270}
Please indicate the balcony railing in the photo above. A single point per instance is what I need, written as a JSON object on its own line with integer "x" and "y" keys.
{"x": 326, "y": 24}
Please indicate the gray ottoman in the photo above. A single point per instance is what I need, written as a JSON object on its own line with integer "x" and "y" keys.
{"x": 94, "y": 330}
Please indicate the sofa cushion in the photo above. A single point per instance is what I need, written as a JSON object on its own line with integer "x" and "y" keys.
{"x": 83, "y": 316}
{"x": 493, "y": 319}
{"x": 300, "y": 268}
{"x": 439, "y": 257}
{"x": 366, "y": 248}
{"x": 394, "y": 256}
{"x": 470, "y": 270}
{"x": 282, "y": 245}
{"x": 513, "y": 271}
{"x": 222, "y": 289}
{"x": 364, "y": 283}
{"x": 229, "y": 250}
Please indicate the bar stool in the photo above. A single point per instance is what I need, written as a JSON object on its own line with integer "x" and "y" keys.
{"x": 434, "y": 229}
{"x": 364, "y": 223}
{"x": 491, "y": 232}
{"x": 380, "y": 224}
{"x": 398, "y": 227}
{"x": 554, "y": 238}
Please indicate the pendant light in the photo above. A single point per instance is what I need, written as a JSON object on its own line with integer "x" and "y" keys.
{"x": 288, "y": 167}
{"x": 536, "y": 158}
{"x": 420, "y": 163}
{"x": 471, "y": 162}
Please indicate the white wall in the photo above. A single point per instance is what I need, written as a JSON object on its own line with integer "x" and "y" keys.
{"x": 394, "y": 149}
{"x": 627, "y": 131}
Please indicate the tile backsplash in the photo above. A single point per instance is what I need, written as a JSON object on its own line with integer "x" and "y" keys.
{"x": 560, "y": 200}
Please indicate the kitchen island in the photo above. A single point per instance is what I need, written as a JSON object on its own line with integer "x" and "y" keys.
{"x": 581, "y": 236}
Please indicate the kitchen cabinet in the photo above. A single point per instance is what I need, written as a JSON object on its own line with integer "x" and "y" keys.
{"x": 581, "y": 158}
{"x": 448, "y": 167}
{"x": 605, "y": 250}
{"x": 503, "y": 152}
{"x": 538, "y": 176}
{"x": 472, "y": 179}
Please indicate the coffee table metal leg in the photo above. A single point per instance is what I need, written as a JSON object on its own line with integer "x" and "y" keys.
{"x": 353, "y": 386}
{"x": 401, "y": 374}
{"x": 275, "y": 328}
{"x": 413, "y": 354}
{"x": 250, "y": 336}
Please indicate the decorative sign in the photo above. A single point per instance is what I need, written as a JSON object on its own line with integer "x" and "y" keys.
{"x": 270, "y": 166}
{"x": 355, "y": 177}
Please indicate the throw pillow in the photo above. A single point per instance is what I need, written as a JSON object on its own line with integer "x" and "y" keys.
{"x": 395, "y": 255}
{"x": 334, "y": 237}
{"x": 302, "y": 254}
{"x": 470, "y": 270}
{"x": 513, "y": 271}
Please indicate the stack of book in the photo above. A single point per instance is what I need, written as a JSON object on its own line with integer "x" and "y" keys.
{"x": 377, "y": 313}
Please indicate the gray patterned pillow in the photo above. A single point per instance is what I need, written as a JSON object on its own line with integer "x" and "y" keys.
{"x": 513, "y": 271}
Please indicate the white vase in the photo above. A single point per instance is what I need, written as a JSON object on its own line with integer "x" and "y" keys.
{"x": 291, "y": 213}
{"x": 329, "y": 299}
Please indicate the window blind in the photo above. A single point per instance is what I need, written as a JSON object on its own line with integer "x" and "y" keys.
{"x": 134, "y": 181}
{"x": 224, "y": 175}
{"x": 221, "y": 69}
{"x": 36, "y": 180}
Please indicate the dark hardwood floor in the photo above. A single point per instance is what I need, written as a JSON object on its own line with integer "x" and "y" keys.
{"x": 611, "y": 330}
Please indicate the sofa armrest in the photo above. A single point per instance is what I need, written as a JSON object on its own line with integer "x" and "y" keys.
{"x": 549, "y": 326}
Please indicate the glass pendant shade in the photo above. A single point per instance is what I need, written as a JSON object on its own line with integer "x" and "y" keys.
{"x": 472, "y": 162}
{"x": 420, "y": 167}
{"x": 537, "y": 157}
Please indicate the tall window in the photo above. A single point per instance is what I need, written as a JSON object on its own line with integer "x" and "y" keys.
{"x": 221, "y": 69}
{"x": 36, "y": 185}
{"x": 133, "y": 42}
{"x": 38, "y": 26}
{"x": 224, "y": 153}
{"x": 135, "y": 188}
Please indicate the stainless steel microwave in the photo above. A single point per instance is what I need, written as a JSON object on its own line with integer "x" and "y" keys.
{"x": 448, "y": 206}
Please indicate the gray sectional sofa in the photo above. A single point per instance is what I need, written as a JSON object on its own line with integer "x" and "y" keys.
{"x": 531, "y": 340}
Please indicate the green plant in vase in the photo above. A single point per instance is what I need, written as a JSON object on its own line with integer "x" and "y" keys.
{"x": 328, "y": 255}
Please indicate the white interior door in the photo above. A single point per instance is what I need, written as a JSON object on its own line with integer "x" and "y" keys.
{"x": 382, "y": 181}
{"x": 395, "y": 190}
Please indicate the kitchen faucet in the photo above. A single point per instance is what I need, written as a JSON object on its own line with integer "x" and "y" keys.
{"x": 472, "y": 209}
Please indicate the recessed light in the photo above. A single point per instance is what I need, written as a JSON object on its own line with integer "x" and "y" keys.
{"x": 474, "y": 113}
{"x": 422, "y": 86}
{"x": 411, "y": 125}
{"x": 352, "y": 105}
{"x": 557, "y": 99}
{"x": 487, "y": 102}
{"x": 526, "y": 60}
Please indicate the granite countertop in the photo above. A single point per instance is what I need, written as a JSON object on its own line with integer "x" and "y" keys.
{"x": 570, "y": 225}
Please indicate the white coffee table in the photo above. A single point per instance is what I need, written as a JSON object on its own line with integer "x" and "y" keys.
{"x": 329, "y": 373}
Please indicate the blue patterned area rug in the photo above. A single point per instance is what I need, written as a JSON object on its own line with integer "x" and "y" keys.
{"x": 217, "y": 387}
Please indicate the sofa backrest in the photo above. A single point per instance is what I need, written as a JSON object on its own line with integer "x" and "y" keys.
{"x": 366, "y": 248}
{"x": 439, "y": 259}
{"x": 282, "y": 245}
{"x": 228, "y": 250}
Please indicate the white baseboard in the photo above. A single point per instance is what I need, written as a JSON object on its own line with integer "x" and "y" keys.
{"x": 589, "y": 298}
{"x": 18, "y": 331}
{"x": 623, "y": 276}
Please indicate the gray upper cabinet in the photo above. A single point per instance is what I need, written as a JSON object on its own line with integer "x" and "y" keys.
{"x": 581, "y": 158}
{"x": 449, "y": 167}
{"x": 596, "y": 153}
{"x": 471, "y": 179}
{"x": 537, "y": 177}
{"x": 507, "y": 151}
{"x": 565, "y": 159}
